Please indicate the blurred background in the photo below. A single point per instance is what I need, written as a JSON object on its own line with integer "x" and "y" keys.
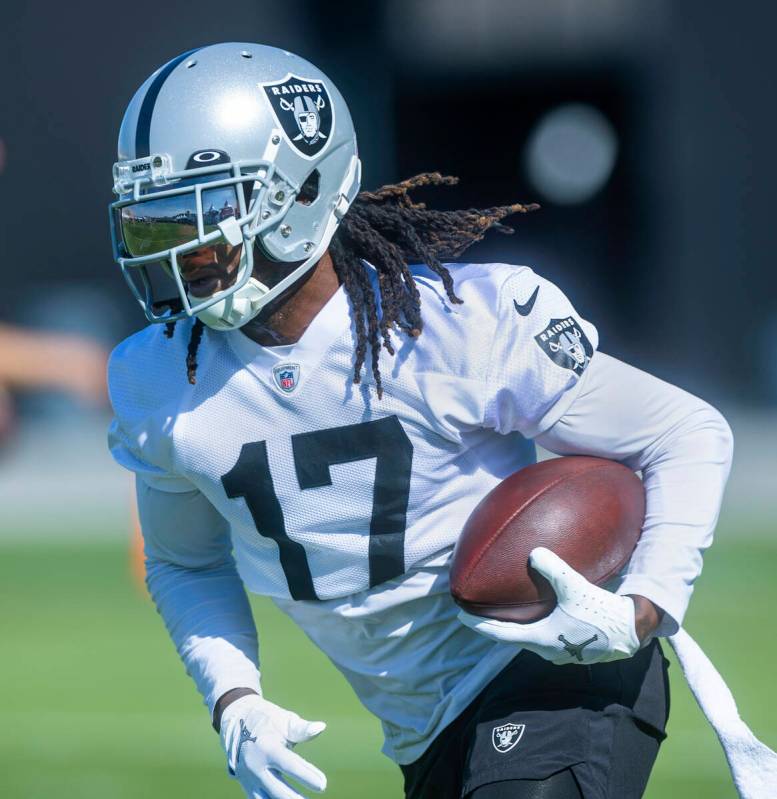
{"x": 645, "y": 130}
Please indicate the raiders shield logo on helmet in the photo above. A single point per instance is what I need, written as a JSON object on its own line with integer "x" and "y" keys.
{"x": 565, "y": 343}
{"x": 304, "y": 110}
{"x": 505, "y": 737}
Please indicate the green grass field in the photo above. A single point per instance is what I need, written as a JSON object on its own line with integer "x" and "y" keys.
{"x": 95, "y": 704}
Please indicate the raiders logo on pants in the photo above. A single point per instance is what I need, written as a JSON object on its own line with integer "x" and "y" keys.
{"x": 556, "y": 732}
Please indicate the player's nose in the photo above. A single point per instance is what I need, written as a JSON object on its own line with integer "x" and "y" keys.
{"x": 191, "y": 262}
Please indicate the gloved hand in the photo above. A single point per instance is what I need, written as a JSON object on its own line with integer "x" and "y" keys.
{"x": 589, "y": 624}
{"x": 257, "y": 737}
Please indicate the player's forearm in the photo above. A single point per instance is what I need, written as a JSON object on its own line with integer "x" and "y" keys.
{"x": 684, "y": 476}
{"x": 192, "y": 578}
{"x": 683, "y": 448}
{"x": 207, "y": 614}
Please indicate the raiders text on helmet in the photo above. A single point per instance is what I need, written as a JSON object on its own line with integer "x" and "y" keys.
{"x": 215, "y": 146}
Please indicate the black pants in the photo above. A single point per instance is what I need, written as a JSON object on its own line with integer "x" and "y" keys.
{"x": 601, "y": 724}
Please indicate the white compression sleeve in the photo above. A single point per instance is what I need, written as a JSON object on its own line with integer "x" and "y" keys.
{"x": 192, "y": 579}
{"x": 683, "y": 447}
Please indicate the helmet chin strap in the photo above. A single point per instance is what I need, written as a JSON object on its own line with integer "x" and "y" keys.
{"x": 236, "y": 309}
{"x": 242, "y": 305}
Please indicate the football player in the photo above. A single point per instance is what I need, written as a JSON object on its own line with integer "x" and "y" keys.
{"x": 317, "y": 409}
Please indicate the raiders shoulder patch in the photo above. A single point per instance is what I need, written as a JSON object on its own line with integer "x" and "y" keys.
{"x": 304, "y": 110}
{"x": 565, "y": 343}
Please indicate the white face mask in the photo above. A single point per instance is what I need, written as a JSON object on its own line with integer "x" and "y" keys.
{"x": 242, "y": 305}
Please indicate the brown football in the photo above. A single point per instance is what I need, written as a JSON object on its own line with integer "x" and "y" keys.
{"x": 589, "y": 511}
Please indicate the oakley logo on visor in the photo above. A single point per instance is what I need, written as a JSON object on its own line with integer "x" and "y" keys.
{"x": 207, "y": 158}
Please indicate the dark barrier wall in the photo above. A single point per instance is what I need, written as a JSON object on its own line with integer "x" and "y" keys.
{"x": 672, "y": 257}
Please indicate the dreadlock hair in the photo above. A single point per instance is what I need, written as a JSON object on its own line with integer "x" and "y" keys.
{"x": 175, "y": 305}
{"x": 390, "y": 231}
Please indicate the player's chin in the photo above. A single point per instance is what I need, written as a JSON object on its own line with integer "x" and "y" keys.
{"x": 205, "y": 287}
{"x": 209, "y": 282}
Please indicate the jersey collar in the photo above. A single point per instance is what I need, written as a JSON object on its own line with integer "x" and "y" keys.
{"x": 327, "y": 325}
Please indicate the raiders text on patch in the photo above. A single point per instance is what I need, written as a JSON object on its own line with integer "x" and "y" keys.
{"x": 506, "y": 736}
{"x": 304, "y": 110}
{"x": 565, "y": 343}
{"x": 298, "y": 88}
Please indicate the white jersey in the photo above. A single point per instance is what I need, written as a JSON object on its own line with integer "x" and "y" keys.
{"x": 349, "y": 505}
{"x": 345, "y": 508}
{"x": 329, "y": 491}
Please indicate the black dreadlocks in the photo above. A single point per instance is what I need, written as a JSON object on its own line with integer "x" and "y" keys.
{"x": 390, "y": 230}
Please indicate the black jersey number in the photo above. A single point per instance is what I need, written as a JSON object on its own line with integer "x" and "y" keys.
{"x": 383, "y": 439}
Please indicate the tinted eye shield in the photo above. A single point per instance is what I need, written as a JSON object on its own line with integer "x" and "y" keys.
{"x": 157, "y": 225}
{"x": 201, "y": 207}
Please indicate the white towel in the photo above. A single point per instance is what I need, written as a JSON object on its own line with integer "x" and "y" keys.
{"x": 753, "y": 765}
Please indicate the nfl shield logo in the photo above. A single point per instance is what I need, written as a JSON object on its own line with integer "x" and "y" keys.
{"x": 303, "y": 109}
{"x": 286, "y": 376}
{"x": 504, "y": 738}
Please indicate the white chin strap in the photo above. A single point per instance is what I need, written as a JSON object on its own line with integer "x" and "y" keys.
{"x": 237, "y": 308}
{"x": 241, "y": 306}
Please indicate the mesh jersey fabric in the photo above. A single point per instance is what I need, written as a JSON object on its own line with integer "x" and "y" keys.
{"x": 475, "y": 369}
{"x": 465, "y": 398}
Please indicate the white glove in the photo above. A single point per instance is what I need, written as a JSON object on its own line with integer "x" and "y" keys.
{"x": 589, "y": 624}
{"x": 257, "y": 737}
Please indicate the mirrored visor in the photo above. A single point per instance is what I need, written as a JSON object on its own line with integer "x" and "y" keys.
{"x": 155, "y": 225}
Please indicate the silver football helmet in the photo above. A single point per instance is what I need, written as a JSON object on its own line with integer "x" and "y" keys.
{"x": 215, "y": 147}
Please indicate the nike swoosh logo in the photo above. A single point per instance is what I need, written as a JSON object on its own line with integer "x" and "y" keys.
{"x": 525, "y": 309}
